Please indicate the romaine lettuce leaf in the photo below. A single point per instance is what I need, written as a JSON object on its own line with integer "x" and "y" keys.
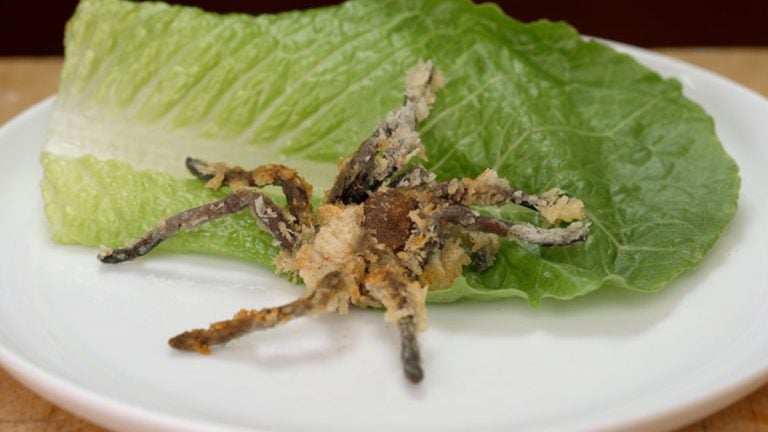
{"x": 146, "y": 85}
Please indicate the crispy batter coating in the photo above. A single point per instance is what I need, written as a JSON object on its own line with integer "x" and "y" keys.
{"x": 384, "y": 235}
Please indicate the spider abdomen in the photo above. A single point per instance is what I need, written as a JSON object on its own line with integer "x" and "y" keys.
{"x": 386, "y": 217}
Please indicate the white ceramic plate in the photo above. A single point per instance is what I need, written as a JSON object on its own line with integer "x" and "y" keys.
{"x": 92, "y": 337}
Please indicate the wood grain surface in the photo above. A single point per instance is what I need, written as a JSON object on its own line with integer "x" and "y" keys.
{"x": 25, "y": 81}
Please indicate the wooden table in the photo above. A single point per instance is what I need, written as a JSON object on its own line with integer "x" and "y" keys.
{"x": 24, "y": 81}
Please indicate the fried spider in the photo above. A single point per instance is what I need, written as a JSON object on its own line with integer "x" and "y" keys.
{"x": 383, "y": 235}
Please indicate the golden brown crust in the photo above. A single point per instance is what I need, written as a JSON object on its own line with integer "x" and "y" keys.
{"x": 386, "y": 218}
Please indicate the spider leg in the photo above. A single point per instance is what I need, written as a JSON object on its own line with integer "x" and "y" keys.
{"x": 328, "y": 296}
{"x": 489, "y": 189}
{"x": 410, "y": 356}
{"x": 269, "y": 215}
{"x": 413, "y": 177}
{"x": 468, "y": 219}
{"x": 296, "y": 190}
{"x": 392, "y": 144}
{"x": 404, "y": 301}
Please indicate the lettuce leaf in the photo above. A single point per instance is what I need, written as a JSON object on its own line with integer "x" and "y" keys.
{"x": 146, "y": 84}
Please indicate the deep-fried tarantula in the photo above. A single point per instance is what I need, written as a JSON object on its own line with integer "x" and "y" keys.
{"x": 384, "y": 234}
